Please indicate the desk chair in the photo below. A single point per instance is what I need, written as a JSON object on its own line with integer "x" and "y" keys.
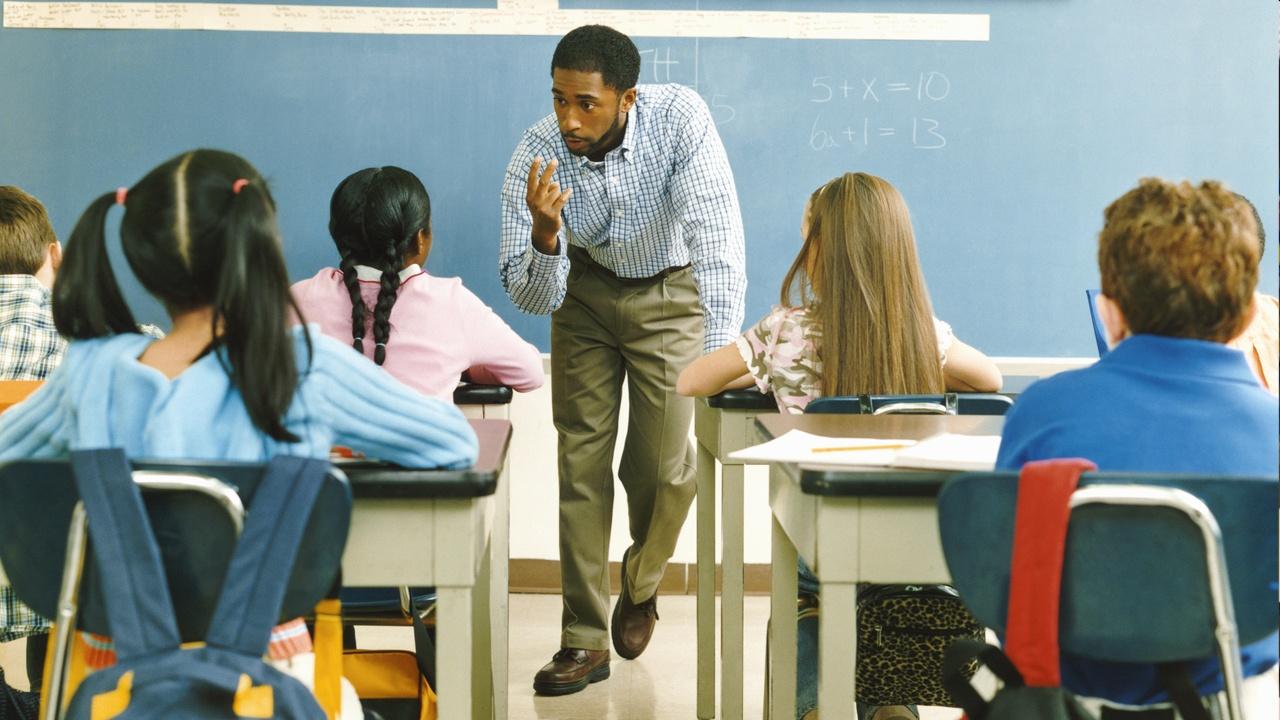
{"x": 1099, "y": 330}
{"x": 13, "y": 392}
{"x": 196, "y": 511}
{"x": 1196, "y": 578}
{"x": 944, "y": 404}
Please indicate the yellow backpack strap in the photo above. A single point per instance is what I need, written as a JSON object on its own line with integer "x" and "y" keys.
{"x": 111, "y": 703}
{"x": 253, "y": 701}
{"x": 328, "y": 648}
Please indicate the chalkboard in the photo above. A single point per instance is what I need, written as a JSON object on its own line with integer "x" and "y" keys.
{"x": 1006, "y": 150}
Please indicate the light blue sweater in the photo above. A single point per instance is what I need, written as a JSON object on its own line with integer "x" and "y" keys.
{"x": 101, "y": 396}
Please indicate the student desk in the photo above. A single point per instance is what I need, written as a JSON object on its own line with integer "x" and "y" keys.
{"x": 722, "y": 424}
{"x": 850, "y": 525}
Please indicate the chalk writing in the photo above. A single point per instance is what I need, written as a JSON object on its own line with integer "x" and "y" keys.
{"x": 878, "y": 100}
{"x": 930, "y": 86}
{"x": 926, "y": 133}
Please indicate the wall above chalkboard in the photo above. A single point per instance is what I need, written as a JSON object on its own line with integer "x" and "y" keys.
{"x": 1007, "y": 150}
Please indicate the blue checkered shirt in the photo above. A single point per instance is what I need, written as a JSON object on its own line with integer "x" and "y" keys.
{"x": 30, "y": 348}
{"x": 665, "y": 197}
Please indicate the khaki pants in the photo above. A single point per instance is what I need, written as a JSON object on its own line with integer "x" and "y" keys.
{"x": 608, "y": 329}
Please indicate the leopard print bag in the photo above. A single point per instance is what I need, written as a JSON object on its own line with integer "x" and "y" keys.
{"x": 903, "y": 633}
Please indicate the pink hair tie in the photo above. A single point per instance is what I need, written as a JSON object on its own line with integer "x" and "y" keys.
{"x": 238, "y": 185}
{"x": 121, "y": 194}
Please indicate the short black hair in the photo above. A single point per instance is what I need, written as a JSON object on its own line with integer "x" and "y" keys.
{"x": 599, "y": 48}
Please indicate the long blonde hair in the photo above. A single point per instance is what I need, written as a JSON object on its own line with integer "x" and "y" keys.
{"x": 867, "y": 294}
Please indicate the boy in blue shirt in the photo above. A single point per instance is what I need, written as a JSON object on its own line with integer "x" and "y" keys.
{"x": 1179, "y": 267}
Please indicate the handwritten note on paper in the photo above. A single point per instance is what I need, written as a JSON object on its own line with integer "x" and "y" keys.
{"x": 510, "y": 17}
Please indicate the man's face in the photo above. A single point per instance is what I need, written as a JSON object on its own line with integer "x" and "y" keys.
{"x": 592, "y": 115}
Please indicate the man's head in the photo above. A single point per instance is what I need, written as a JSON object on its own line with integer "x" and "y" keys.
{"x": 593, "y": 80}
{"x": 1179, "y": 261}
{"x": 27, "y": 243}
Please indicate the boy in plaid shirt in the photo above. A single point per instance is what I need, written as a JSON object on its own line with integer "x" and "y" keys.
{"x": 30, "y": 348}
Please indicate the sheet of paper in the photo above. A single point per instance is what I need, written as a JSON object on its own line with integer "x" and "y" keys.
{"x": 801, "y": 447}
{"x": 509, "y": 17}
{"x": 951, "y": 452}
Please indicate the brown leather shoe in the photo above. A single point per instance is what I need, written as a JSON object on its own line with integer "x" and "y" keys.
{"x": 633, "y": 622}
{"x": 571, "y": 670}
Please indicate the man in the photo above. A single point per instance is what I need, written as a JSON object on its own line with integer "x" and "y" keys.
{"x": 30, "y": 348}
{"x": 1179, "y": 266}
{"x": 620, "y": 217}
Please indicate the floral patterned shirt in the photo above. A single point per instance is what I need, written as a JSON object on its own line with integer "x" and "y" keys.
{"x": 781, "y": 354}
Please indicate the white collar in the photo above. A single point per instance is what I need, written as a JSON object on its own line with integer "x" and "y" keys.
{"x": 372, "y": 274}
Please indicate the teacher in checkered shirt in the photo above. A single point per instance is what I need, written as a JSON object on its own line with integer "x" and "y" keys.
{"x": 620, "y": 218}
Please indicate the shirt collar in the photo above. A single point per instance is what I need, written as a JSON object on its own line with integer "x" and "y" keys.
{"x": 22, "y": 282}
{"x": 372, "y": 274}
{"x": 1180, "y": 356}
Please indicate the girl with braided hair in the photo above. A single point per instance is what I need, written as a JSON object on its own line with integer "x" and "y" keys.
{"x": 424, "y": 330}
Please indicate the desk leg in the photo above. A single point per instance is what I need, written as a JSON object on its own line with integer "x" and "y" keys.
{"x": 454, "y": 643}
{"x": 782, "y": 629}
{"x": 500, "y": 542}
{"x": 837, "y": 640}
{"x": 483, "y": 636}
{"x": 706, "y": 474}
{"x": 731, "y": 647}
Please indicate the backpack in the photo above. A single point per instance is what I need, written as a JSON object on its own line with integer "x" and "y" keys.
{"x": 225, "y": 677}
{"x": 1029, "y": 664}
{"x": 903, "y": 634}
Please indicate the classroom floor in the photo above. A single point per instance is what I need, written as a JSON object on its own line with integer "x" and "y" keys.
{"x": 661, "y": 684}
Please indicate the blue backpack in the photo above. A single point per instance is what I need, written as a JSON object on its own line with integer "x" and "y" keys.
{"x": 154, "y": 676}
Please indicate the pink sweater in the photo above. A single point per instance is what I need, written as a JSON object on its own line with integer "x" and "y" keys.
{"x": 439, "y": 329}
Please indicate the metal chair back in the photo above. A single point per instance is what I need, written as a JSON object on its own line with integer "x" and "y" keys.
{"x": 1195, "y": 578}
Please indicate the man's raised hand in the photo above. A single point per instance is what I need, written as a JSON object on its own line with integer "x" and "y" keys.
{"x": 545, "y": 200}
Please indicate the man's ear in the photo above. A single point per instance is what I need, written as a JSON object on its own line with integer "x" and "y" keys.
{"x": 54, "y": 255}
{"x": 628, "y": 100}
{"x": 1112, "y": 319}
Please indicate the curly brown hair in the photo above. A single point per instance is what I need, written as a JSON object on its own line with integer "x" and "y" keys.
{"x": 1180, "y": 260}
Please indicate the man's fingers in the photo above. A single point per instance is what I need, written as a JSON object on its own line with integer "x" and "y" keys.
{"x": 560, "y": 201}
{"x": 546, "y": 174}
{"x": 533, "y": 171}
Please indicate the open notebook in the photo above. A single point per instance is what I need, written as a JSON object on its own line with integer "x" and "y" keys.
{"x": 941, "y": 452}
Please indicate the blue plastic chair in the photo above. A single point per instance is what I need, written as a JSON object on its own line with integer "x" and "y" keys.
{"x": 1099, "y": 330}
{"x": 944, "y": 404}
{"x": 1196, "y": 578}
{"x": 196, "y": 510}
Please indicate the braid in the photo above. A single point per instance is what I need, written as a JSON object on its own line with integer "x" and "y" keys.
{"x": 386, "y": 299}
{"x": 348, "y": 267}
{"x": 375, "y": 216}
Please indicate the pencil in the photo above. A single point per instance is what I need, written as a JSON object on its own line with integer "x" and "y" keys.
{"x": 884, "y": 446}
